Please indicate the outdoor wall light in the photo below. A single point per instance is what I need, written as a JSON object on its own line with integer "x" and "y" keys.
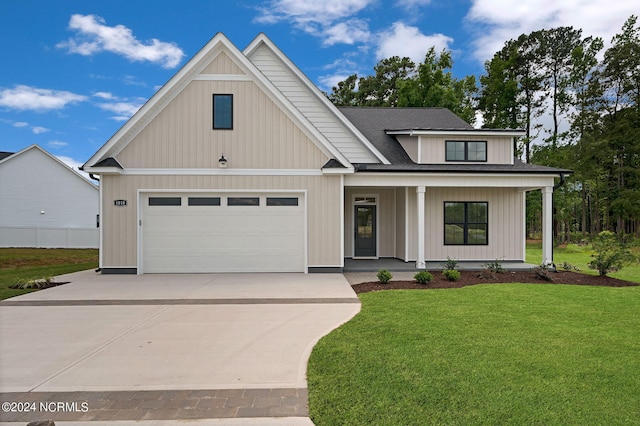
{"x": 222, "y": 162}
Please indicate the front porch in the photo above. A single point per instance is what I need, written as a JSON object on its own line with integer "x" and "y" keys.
{"x": 397, "y": 265}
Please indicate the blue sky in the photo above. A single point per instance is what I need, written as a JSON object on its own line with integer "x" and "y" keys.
{"x": 74, "y": 71}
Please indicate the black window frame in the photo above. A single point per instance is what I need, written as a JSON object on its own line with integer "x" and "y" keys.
{"x": 466, "y": 151}
{"x": 217, "y": 125}
{"x": 465, "y": 224}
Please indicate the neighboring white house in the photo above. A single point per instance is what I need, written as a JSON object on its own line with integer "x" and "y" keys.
{"x": 45, "y": 203}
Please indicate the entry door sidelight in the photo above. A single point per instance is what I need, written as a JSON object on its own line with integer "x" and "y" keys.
{"x": 365, "y": 231}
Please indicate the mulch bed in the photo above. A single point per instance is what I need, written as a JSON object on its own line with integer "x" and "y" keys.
{"x": 475, "y": 277}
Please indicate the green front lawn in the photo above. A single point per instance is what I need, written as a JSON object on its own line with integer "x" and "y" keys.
{"x": 488, "y": 354}
{"x": 27, "y": 263}
{"x": 580, "y": 256}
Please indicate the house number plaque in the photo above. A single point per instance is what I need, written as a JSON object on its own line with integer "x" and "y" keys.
{"x": 120, "y": 203}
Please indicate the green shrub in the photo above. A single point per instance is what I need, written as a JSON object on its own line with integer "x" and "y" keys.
{"x": 384, "y": 276}
{"x": 566, "y": 266}
{"x": 423, "y": 277}
{"x": 495, "y": 267}
{"x": 610, "y": 255}
{"x": 451, "y": 274}
{"x": 450, "y": 264}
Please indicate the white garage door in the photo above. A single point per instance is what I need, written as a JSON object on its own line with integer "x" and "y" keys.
{"x": 184, "y": 233}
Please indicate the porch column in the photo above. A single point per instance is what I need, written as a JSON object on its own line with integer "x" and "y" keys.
{"x": 420, "y": 262}
{"x": 547, "y": 225}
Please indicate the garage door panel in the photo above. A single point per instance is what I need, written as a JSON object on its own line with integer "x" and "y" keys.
{"x": 224, "y": 238}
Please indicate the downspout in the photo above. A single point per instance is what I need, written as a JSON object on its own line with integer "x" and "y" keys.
{"x": 558, "y": 185}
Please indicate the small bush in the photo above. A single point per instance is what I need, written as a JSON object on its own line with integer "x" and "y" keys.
{"x": 610, "y": 254}
{"x": 423, "y": 277}
{"x": 495, "y": 267}
{"x": 450, "y": 264}
{"x": 566, "y": 266}
{"x": 542, "y": 273}
{"x": 36, "y": 283}
{"x": 384, "y": 276}
{"x": 451, "y": 274}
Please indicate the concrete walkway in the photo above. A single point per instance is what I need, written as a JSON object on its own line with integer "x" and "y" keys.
{"x": 168, "y": 347}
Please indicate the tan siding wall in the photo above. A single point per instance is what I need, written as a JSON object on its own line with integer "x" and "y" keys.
{"x": 181, "y": 136}
{"x": 323, "y": 210}
{"x": 222, "y": 64}
{"x": 410, "y": 145}
{"x": 505, "y": 224}
{"x": 432, "y": 150}
{"x": 317, "y": 113}
{"x": 386, "y": 218}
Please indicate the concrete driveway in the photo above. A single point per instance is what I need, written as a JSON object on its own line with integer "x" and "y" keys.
{"x": 168, "y": 347}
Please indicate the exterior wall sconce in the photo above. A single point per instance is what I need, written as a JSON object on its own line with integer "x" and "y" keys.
{"x": 222, "y": 162}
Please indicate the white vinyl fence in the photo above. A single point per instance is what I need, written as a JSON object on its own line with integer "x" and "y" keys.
{"x": 42, "y": 237}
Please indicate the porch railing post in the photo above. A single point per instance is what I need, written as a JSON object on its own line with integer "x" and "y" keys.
{"x": 420, "y": 262}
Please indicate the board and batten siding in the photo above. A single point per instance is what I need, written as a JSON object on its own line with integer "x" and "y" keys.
{"x": 506, "y": 233}
{"x": 323, "y": 194}
{"x": 181, "y": 135}
{"x": 432, "y": 149}
{"x": 311, "y": 107}
{"x": 385, "y": 218}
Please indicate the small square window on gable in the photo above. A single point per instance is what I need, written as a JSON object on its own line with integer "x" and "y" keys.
{"x": 222, "y": 112}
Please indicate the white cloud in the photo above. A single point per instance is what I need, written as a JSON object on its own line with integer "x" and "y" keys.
{"x": 331, "y": 20}
{"x": 403, "y": 40}
{"x": 35, "y": 99}
{"x": 20, "y": 124}
{"x": 348, "y": 32}
{"x": 123, "y": 110}
{"x": 57, "y": 144}
{"x": 304, "y": 12}
{"x": 93, "y": 36}
{"x": 104, "y": 95}
{"x": 502, "y": 20}
{"x": 37, "y": 130}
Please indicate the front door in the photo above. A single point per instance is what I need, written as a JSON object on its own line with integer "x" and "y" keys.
{"x": 365, "y": 231}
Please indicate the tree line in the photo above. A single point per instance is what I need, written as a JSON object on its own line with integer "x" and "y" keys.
{"x": 576, "y": 101}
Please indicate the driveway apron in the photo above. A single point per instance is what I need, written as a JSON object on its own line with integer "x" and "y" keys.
{"x": 167, "y": 347}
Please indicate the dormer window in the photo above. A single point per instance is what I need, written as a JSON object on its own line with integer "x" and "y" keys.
{"x": 472, "y": 151}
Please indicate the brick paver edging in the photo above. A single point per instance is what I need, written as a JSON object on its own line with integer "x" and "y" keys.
{"x": 153, "y": 405}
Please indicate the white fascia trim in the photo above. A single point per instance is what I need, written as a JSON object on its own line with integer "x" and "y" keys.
{"x": 103, "y": 170}
{"x": 222, "y": 77}
{"x": 262, "y": 38}
{"x": 224, "y": 172}
{"x": 347, "y": 171}
{"x": 474, "y": 132}
{"x": 169, "y": 88}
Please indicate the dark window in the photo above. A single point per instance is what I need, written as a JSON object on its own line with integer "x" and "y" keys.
{"x": 223, "y": 112}
{"x": 282, "y": 201}
{"x": 204, "y": 201}
{"x": 466, "y": 223}
{"x": 466, "y": 151}
{"x": 165, "y": 201}
{"x": 243, "y": 201}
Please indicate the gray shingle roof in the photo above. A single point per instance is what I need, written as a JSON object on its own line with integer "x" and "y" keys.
{"x": 4, "y": 154}
{"x": 374, "y": 122}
